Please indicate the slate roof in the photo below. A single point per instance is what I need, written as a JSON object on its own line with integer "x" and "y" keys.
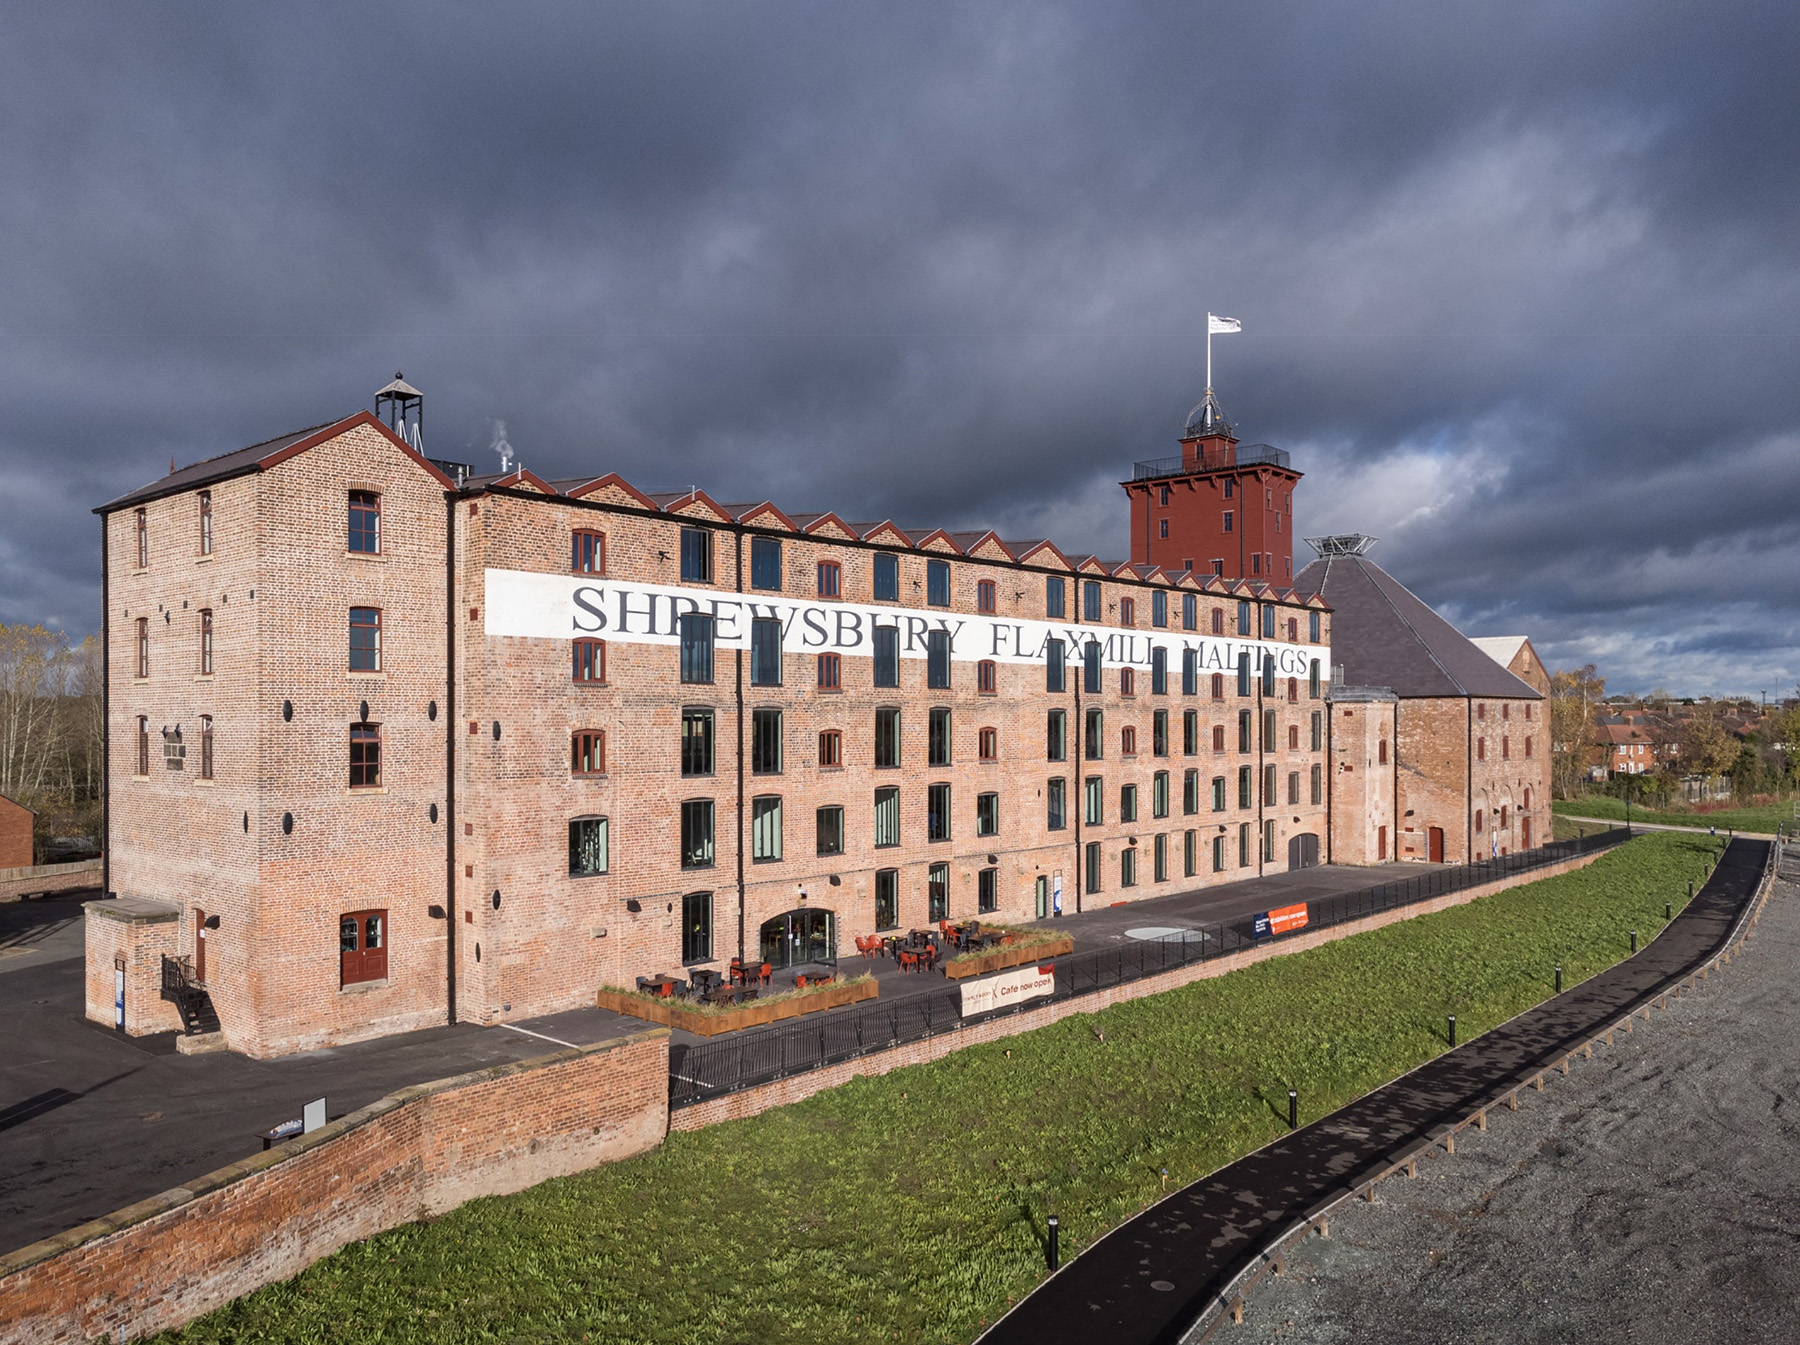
{"x": 1383, "y": 635}
{"x": 256, "y": 458}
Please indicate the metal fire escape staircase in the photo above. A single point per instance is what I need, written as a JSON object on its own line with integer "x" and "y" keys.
{"x": 188, "y": 996}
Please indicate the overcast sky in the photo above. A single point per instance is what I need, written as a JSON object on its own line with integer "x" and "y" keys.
{"x": 1519, "y": 282}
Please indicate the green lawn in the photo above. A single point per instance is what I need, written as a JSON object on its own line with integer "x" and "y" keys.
{"x": 910, "y": 1207}
{"x": 1764, "y": 817}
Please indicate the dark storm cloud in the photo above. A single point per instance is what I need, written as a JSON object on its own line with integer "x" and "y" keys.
{"x": 1518, "y": 284}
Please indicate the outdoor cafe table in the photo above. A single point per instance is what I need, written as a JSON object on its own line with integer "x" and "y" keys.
{"x": 704, "y": 978}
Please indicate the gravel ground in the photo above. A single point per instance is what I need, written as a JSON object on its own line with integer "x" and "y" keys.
{"x": 1651, "y": 1196}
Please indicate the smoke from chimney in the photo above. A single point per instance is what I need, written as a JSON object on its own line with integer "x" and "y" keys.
{"x": 499, "y": 445}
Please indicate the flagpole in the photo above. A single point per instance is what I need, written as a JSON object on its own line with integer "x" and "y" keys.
{"x": 1209, "y": 352}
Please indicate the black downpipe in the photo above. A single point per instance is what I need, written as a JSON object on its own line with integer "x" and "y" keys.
{"x": 1079, "y": 793}
{"x": 1330, "y": 768}
{"x": 1468, "y": 781}
{"x": 1262, "y": 778}
{"x": 450, "y": 755}
{"x": 737, "y": 539}
{"x": 105, "y": 711}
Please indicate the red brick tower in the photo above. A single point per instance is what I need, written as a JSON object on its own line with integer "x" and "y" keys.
{"x": 1218, "y": 508}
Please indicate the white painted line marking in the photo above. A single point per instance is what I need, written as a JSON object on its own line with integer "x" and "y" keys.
{"x": 558, "y": 1041}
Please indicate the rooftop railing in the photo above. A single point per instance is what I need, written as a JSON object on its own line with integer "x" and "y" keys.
{"x": 1244, "y": 455}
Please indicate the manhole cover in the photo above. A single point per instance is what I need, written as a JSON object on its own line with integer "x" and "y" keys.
{"x": 1162, "y": 1286}
{"x": 1165, "y": 933}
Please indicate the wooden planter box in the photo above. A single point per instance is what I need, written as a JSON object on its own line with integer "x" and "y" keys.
{"x": 673, "y": 1013}
{"x": 1002, "y": 958}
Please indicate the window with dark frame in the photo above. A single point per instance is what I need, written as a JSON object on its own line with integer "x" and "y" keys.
{"x": 1190, "y": 854}
{"x": 1293, "y": 792}
{"x": 828, "y": 823}
{"x": 362, "y": 947}
{"x": 1190, "y": 792}
{"x": 1190, "y": 609}
{"x": 696, "y": 741}
{"x": 887, "y": 737}
{"x": 765, "y": 564}
{"x": 365, "y": 756}
{"x": 1190, "y": 733}
{"x": 206, "y": 523}
{"x": 365, "y": 639}
{"x": 765, "y": 742}
{"x": 587, "y": 752}
{"x": 886, "y": 577}
{"x": 887, "y": 656}
{"x": 365, "y": 522}
{"x": 831, "y": 748}
{"x": 588, "y": 846}
{"x": 765, "y": 652}
{"x": 697, "y": 833}
{"x": 587, "y": 552}
{"x": 589, "y": 662}
{"x": 143, "y": 647}
{"x": 1246, "y": 732}
{"x": 1190, "y": 672}
{"x": 937, "y": 737}
{"x": 1090, "y": 668}
{"x": 937, "y": 660}
{"x": 937, "y": 892}
{"x": 1094, "y": 801}
{"x": 143, "y": 746}
{"x": 1159, "y": 608}
{"x": 1246, "y": 788}
{"x": 697, "y": 556}
{"x": 143, "y": 539}
{"x": 987, "y": 814}
{"x": 697, "y": 927}
{"x": 1218, "y": 794}
{"x": 1318, "y": 784}
{"x": 1160, "y": 859}
{"x": 1094, "y": 745}
{"x": 1318, "y": 731}
{"x": 887, "y": 816}
{"x": 1128, "y": 867}
{"x": 937, "y": 583}
{"x": 1056, "y": 736}
{"x": 887, "y": 898}
{"x": 1243, "y": 673}
{"x": 937, "y": 812}
{"x": 206, "y": 747}
{"x": 696, "y": 648}
{"x": 1159, "y": 794}
{"x": 1090, "y": 600}
{"x": 765, "y": 829}
{"x": 1056, "y": 804}
{"x": 1312, "y": 627}
{"x": 831, "y": 579}
{"x": 1159, "y": 671}
{"x": 1128, "y": 803}
{"x": 1054, "y": 602}
{"x": 1091, "y": 862}
{"x": 987, "y": 890}
{"x": 1055, "y": 665}
{"x": 206, "y": 642}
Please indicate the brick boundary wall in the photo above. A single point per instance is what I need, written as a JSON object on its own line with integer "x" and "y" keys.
{"x": 798, "y": 1087}
{"x": 16, "y": 884}
{"x": 417, "y": 1152}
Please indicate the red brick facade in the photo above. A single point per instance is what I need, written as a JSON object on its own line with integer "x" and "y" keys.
{"x": 476, "y": 881}
{"x": 16, "y": 821}
{"x": 1220, "y": 511}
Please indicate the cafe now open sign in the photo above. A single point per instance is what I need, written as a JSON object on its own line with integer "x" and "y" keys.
{"x": 1283, "y": 921}
{"x": 1006, "y": 989}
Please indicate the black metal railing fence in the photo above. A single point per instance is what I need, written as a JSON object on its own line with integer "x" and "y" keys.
{"x": 715, "y": 1068}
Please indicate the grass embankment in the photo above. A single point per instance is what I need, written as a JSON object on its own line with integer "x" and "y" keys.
{"x": 1762, "y": 818}
{"x": 910, "y": 1207}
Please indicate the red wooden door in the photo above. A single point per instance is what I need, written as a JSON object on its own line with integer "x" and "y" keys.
{"x": 200, "y": 945}
{"x": 1434, "y": 844}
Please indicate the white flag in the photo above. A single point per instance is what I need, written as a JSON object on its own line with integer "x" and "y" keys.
{"x": 1215, "y": 325}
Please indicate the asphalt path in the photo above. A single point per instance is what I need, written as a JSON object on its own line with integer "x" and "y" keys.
{"x": 1151, "y": 1279}
{"x": 92, "y": 1121}
{"x": 1650, "y": 1196}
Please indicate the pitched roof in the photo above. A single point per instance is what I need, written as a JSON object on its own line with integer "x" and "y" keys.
{"x": 1382, "y": 635}
{"x": 261, "y": 457}
{"x": 1503, "y": 649}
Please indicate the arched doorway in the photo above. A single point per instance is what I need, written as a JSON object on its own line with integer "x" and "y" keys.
{"x": 798, "y": 937}
{"x": 1303, "y": 850}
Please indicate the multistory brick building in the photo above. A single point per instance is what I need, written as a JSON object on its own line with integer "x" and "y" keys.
{"x": 1460, "y": 765}
{"x": 400, "y": 744}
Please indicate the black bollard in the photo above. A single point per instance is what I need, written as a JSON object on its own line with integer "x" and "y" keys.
{"x": 1559, "y": 980}
{"x": 1668, "y": 910}
{"x": 1293, "y": 1109}
{"x": 1052, "y": 1251}
{"x": 1634, "y": 941}
{"x": 1452, "y": 1031}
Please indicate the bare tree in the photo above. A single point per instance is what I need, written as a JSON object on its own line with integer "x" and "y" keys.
{"x": 1574, "y": 695}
